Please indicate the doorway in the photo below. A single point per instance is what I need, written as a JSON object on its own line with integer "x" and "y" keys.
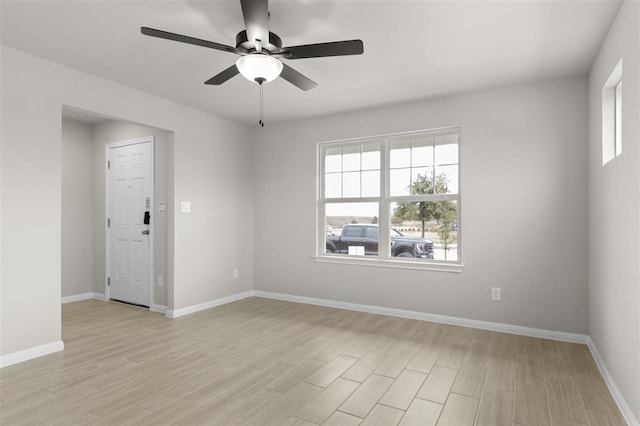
{"x": 85, "y": 136}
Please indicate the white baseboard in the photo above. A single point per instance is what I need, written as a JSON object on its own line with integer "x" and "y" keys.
{"x": 158, "y": 308}
{"x": 83, "y": 296}
{"x": 31, "y": 353}
{"x": 422, "y": 316}
{"x": 99, "y": 296}
{"x": 175, "y": 313}
{"x": 76, "y": 297}
{"x": 629, "y": 417}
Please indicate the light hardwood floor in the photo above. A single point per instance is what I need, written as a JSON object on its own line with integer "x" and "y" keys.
{"x": 266, "y": 362}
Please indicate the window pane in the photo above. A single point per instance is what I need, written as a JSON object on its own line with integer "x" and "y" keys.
{"x": 400, "y": 154}
{"x": 351, "y": 184}
{"x": 447, "y": 154}
{"x": 340, "y": 214}
{"x": 351, "y": 158}
{"x": 422, "y": 180}
{"x": 371, "y": 232}
{"x": 371, "y": 157}
{"x": 433, "y": 224}
{"x": 351, "y": 231}
{"x": 447, "y": 180}
{"x": 422, "y": 152}
{"x": 333, "y": 185}
{"x": 371, "y": 184}
{"x": 348, "y": 228}
{"x": 333, "y": 160}
{"x": 400, "y": 181}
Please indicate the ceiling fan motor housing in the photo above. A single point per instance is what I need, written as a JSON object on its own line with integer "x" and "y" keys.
{"x": 273, "y": 45}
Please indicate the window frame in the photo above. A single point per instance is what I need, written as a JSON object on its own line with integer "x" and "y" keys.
{"x": 385, "y": 201}
{"x": 612, "y": 105}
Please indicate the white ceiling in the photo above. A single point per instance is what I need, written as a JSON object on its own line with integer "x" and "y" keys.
{"x": 413, "y": 49}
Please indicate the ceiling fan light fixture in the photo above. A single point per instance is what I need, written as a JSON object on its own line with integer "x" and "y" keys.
{"x": 259, "y": 67}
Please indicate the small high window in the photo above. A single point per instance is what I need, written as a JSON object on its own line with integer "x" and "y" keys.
{"x": 612, "y": 115}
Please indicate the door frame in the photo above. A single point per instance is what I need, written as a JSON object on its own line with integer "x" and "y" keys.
{"x": 107, "y": 205}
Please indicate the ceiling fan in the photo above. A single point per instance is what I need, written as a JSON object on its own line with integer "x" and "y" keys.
{"x": 261, "y": 50}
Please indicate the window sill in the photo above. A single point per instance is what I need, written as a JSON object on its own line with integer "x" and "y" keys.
{"x": 389, "y": 263}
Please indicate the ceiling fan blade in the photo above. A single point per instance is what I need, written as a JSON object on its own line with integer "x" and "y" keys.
{"x": 256, "y": 19}
{"x": 297, "y": 79}
{"x": 225, "y": 75}
{"x": 186, "y": 39}
{"x": 318, "y": 50}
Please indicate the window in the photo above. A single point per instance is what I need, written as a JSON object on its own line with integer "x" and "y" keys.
{"x": 612, "y": 115}
{"x": 399, "y": 192}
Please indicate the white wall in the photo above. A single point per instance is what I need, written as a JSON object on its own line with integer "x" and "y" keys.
{"x": 614, "y": 212}
{"x": 77, "y": 208}
{"x": 31, "y": 207}
{"x": 524, "y": 202}
{"x": 211, "y": 168}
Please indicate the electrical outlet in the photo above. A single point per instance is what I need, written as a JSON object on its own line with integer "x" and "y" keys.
{"x": 160, "y": 280}
{"x": 236, "y": 273}
{"x": 496, "y": 293}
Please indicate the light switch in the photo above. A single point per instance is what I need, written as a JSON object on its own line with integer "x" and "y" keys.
{"x": 185, "y": 206}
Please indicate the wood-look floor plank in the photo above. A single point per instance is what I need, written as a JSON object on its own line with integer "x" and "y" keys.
{"x": 459, "y": 410}
{"x": 565, "y": 403}
{"x": 363, "y": 368}
{"x": 321, "y": 407}
{"x": 501, "y": 374}
{"x": 267, "y": 362}
{"x": 326, "y": 374}
{"x": 496, "y": 408}
{"x": 292, "y": 376}
{"x": 470, "y": 382}
{"x": 421, "y": 412}
{"x": 425, "y": 359}
{"x": 403, "y": 389}
{"x": 365, "y": 397}
{"x": 603, "y": 419}
{"x": 395, "y": 362}
{"x": 338, "y": 418}
{"x": 381, "y": 415}
{"x": 284, "y": 408}
{"x": 438, "y": 384}
{"x": 531, "y": 405}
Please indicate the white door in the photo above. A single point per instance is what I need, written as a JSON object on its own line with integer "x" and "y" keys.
{"x": 129, "y": 198}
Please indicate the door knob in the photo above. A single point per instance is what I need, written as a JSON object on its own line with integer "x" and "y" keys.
{"x": 145, "y": 232}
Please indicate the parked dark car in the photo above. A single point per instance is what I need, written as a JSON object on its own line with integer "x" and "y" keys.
{"x": 367, "y": 235}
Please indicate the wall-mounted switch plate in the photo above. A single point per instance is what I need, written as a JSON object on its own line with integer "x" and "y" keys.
{"x": 496, "y": 294}
{"x": 185, "y": 206}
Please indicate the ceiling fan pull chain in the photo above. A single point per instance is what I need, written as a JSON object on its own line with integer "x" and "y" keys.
{"x": 261, "y": 106}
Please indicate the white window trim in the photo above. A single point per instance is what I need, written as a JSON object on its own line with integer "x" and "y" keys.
{"x": 612, "y": 115}
{"x": 384, "y": 259}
